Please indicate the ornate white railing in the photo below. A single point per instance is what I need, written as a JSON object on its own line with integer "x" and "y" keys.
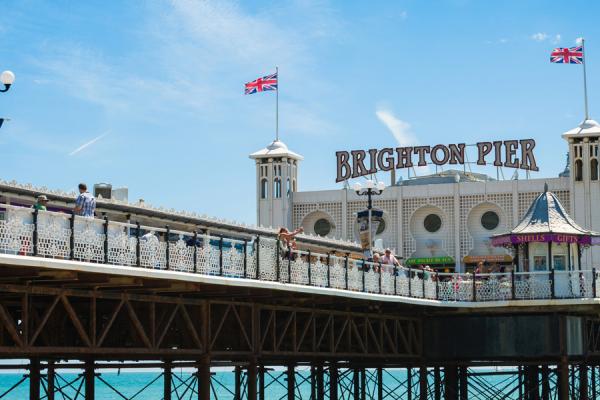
{"x": 27, "y": 232}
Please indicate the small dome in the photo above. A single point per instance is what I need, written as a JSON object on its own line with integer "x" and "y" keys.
{"x": 277, "y": 144}
{"x": 587, "y": 127}
{"x": 275, "y": 149}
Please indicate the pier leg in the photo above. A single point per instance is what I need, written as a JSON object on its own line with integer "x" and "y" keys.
{"x": 90, "y": 380}
{"x": 356, "y": 383}
{"x": 594, "y": 393}
{"x": 363, "y": 384}
{"x": 464, "y": 383}
{"x": 423, "y": 383}
{"x": 238, "y": 382}
{"x": 545, "y": 383}
{"x": 51, "y": 380}
{"x": 291, "y": 382}
{"x": 204, "y": 379}
{"x": 34, "y": 379}
{"x": 379, "y": 383}
{"x": 252, "y": 372}
{"x": 167, "y": 380}
{"x": 409, "y": 383}
{"x": 450, "y": 383}
{"x": 333, "y": 382}
{"x": 562, "y": 371}
{"x": 583, "y": 382}
{"x": 437, "y": 380}
{"x": 320, "y": 383}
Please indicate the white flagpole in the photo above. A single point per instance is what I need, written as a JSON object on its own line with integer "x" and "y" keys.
{"x": 587, "y": 116}
{"x": 277, "y": 105}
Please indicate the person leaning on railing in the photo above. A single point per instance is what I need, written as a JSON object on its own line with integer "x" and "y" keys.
{"x": 288, "y": 240}
{"x": 85, "y": 204}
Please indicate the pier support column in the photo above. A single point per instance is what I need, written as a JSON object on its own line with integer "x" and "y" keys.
{"x": 450, "y": 383}
{"x": 423, "y": 383}
{"x": 291, "y": 382}
{"x": 363, "y": 384}
{"x": 533, "y": 383}
{"x": 545, "y": 382}
{"x": 89, "y": 375}
{"x": 464, "y": 383}
{"x": 583, "y": 382}
{"x": 252, "y": 372}
{"x": 409, "y": 383}
{"x": 562, "y": 372}
{"x": 356, "y": 383}
{"x": 320, "y": 382}
{"x": 379, "y": 383}
{"x": 204, "y": 379}
{"x": 238, "y": 382}
{"x": 333, "y": 382}
{"x": 51, "y": 378}
{"x": 437, "y": 384}
{"x": 594, "y": 393}
{"x": 167, "y": 380}
{"x": 34, "y": 379}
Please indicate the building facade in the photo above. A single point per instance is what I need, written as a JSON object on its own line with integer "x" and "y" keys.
{"x": 444, "y": 220}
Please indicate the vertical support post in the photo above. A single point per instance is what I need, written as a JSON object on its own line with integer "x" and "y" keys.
{"x": 594, "y": 382}
{"x": 379, "y": 383}
{"x": 291, "y": 382}
{"x": 513, "y": 290}
{"x": 346, "y": 270}
{"x": 583, "y": 382}
{"x": 409, "y": 383}
{"x": 245, "y": 258}
{"x": 437, "y": 384}
{"x": 72, "y": 237}
{"x": 203, "y": 375}
{"x": 364, "y": 289}
{"x": 545, "y": 382}
{"x": 474, "y": 285}
{"x": 90, "y": 380}
{"x": 356, "y": 383}
{"x": 195, "y": 261}
{"x": 363, "y": 384}
{"x": 238, "y": 383}
{"x": 313, "y": 382}
{"x": 520, "y": 381}
{"x": 395, "y": 280}
{"x": 309, "y": 268}
{"x": 167, "y": 250}
{"x": 105, "y": 226}
{"x": 328, "y": 270}
{"x": 423, "y": 383}
{"x": 464, "y": 383}
{"x": 277, "y": 260}
{"x": 333, "y": 382}
{"x": 563, "y": 366}
{"x": 552, "y": 285}
{"x": 35, "y": 232}
{"x": 423, "y": 282}
{"x": 450, "y": 382}
{"x": 320, "y": 383}
{"x": 51, "y": 380}
{"x": 138, "y": 249}
{"x": 257, "y": 241}
{"x": 594, "y": 289}
{"x": 437, "y": 285}
{"x": 221, "y": 256}
{"x": 34, "y": 379}
{"x": 167, "y": 380}
{"x": 380, "y": 275}
{"x": 252, "y": 381}
{"x": 409, "y": 282}
{"x": 289, "y": 266}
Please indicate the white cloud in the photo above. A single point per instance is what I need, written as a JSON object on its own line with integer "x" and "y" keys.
{"x": 88, "y": 144}
{"x": 400, "y": 129}
{"x": 539, "y": 37}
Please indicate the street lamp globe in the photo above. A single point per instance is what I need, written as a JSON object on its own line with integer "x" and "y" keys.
{"x": 357, "y": 186}
{"x": 7, "y": 78}
{"x": 380, "y": 186}
{"x": 369, "y": 184}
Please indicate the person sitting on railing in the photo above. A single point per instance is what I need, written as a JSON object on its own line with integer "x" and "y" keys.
{"x": 41, "y": 203}
{"x": 289, "y": 240}
{"x": 85, "y": 204}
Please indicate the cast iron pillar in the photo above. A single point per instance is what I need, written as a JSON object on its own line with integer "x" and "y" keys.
{"x": 167, "y": 380}
{"x": 34, "y": 379}
{"x": 437, "y": 384}
{"x": 90, "y": 380}
{"x": 356, "y": 383}
{"x": 238, "y": 383}
{"x": 545, "y": 382}
{"x": 50, "y": 378}
{"x": 320, "y": 382}
{"x": 562, "y": 371}
{"x": 450, "y": 383}
{"x": 291, "y": 382}
{"x": 203, "y": 375}
{"x": 583, "y": 382}
{"x": 252, "y": 372}
{"x": 333, "y": 382}
{"x": 379, "y": 383}
{"x": 423, "y": 383}
{"x": 464, "y": 383}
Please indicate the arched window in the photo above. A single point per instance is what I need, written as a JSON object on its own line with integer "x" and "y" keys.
{"x": 264, "y": 188}
{"x": 578, "y": 170}
{"x": 288, "y": 187}
{"x": 277, "y": 188}
{"x": 594, "y": 169}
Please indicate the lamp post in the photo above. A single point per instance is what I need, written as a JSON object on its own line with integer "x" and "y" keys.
{"x": 371, "y": 189}
{"x": 7, "y": 78}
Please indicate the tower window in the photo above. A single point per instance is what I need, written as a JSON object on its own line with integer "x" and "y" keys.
{"x": 322, "y": 227}
{"x": 264, "y": 188}
{"x": 277, "y": 188}
{"x": 288, "y": 187}
{"x": 594, "y": 169}
{"x": 578, "y": 170}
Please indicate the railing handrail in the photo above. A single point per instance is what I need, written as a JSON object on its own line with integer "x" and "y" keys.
{"x": 219, "y": 255}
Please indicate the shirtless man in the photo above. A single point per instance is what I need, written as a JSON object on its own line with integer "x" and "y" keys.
{"x": 289, "y": 237}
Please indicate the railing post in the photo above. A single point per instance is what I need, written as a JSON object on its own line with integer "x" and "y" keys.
{"x": 195, "y": 261}
{"x": 309, "y": 274}
{"x": 594, "y": 282}
{"x": 221, "y": 256}
{"x": 437, "y": 285}
{"x": 277, "y": 261}
{"x": 513, "y": 284}
{"x": 35, "y": 232}
{"x": 138, "y": 249}
{"x": 380, "y": 273}
{"x": 409, "y": 282}
{"x": 289, "y": 265}
{"x": 364, "y": 289}
{"x": 552, "y": 286}
{"x": 474, "y": 285}
{"x": 423, "y": 282}
{"x": 346, "y": 273}
{"x": 105, "y": 239}
{"x": 395, "y": 279}
{"x": 72, "y": 237}
{"x": 257, "y": 242}
{"x": 167, "y": 251}
{"x": 245, "y": 258}
{"x": 328, "y": 270}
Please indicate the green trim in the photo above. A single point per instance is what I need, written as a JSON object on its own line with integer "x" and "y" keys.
{"x": 430, "y": 260}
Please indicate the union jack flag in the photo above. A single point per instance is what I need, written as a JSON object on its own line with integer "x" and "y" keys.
{"x": 268, "y": 82}
{"x": 564, "y": 55}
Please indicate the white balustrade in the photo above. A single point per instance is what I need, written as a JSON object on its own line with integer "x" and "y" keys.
{"x": 54, "y": 234}
{"x": 16, "y": 231}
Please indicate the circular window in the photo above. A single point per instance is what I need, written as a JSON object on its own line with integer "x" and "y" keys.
{"x": 381, "y": 227}
{"x": 432, "y": 223}
{"x": 322, "y": 227}
{"x": 490, "y": 220}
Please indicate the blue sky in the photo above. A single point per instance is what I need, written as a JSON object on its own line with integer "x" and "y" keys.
{"x": 159, "y": 85}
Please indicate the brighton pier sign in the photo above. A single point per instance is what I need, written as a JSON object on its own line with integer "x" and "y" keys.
{"x": 507, "y": 153}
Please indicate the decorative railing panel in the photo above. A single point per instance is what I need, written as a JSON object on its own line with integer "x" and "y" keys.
{"x": 26, "y": 232}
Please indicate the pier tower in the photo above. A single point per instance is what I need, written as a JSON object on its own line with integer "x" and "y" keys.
{"x": 276, "y": 182}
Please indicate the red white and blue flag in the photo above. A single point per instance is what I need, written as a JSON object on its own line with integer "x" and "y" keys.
{"x": 263, "y": 84}
{"x": 567, "y": 55}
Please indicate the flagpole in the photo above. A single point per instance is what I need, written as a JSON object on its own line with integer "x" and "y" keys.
{"x": 277, "y": 105}
{"x": 587, "y": 116}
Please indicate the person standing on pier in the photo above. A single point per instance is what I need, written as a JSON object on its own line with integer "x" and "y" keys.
{"x": 85, "y": 204}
